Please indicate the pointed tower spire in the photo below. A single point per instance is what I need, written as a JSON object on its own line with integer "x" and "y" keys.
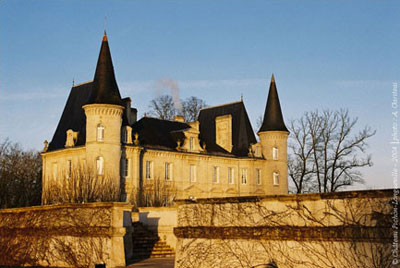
{"x": 273, "y": 119}
{"x": 105, "y": 86}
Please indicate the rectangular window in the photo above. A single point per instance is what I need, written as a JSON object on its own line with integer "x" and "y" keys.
{"x": 231, "y": 176}
{"x": 276, "y": 178}
{"x": 55, "y": 170}
{"x": 100, "y": 133}
{"x": 100, "y": 165}
{"x": 125, "y": 136}
{"x": 69, "y": 168}
{"x": 258, "y": 176}
{"x": 126, "y": 168}
{"x": 166, "y": 201}
{"x": 191, "y": 143}
{"x": 244, "y": 176}
{"x": 168, "y": 171}
{"x": 275, "y": 153}
{"x": 149, "y": 170}
{"x": 215, "y": 178}
{"x": 192, "y": 173}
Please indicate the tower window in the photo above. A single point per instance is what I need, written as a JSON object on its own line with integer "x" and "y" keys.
{"x": 258, "y": 176}
{"x": 215, "y": 177}
{"x": 192, "y": 173}
{"x": 149, "y": 170}
{"x": 276, "y": 178}
{"x": 100, "y": 165}
{"x": 231, "y": 175}
{"x": 100, "y": 132}
{"x": 244, "y": 176}
{"x": 168, "y": 171}
{"x": 275, "y": 153}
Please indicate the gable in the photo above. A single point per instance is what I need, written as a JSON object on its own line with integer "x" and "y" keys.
{"x": 242, "y": 132}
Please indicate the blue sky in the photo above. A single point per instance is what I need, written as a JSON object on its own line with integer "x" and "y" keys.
{"x": 324, "y": 54}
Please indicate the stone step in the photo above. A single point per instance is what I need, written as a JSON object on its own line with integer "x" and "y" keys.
{"x": 147, "y": 244}
{"x": 162, "y": 255}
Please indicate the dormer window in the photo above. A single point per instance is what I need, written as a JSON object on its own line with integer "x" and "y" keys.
{"x": 100, "y": 132}
{"x": 275, "y": 153}
{"x": 100, "y": 165}
{"x": 191, "y": 143}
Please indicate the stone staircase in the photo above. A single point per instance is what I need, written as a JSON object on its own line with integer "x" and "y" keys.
{"x": 147, "y": 244}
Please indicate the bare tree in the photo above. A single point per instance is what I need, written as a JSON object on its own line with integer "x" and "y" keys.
{"x": 83, "y": 185}
{"x": 191, "y": 108}
{"x": 20, "y": 176}
{"x": 325, "y": 153}
{"x": 154, "y": 193}
{"x": 344, "y": 232}
{"x": 162, "y": 107}
{"x": 41, "y": 242}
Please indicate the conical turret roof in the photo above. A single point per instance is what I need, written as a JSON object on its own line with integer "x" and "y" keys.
{"x": 273, "y": 119}
{"x": 105, "y": 88}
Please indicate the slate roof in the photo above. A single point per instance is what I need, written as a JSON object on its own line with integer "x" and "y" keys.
{"x": 242, "y": 132}
{"x": 273, "y": 118}
{"x": 155, "y": 132}
{"x": 104, "y": 83}
{"x": 73, "y": 117}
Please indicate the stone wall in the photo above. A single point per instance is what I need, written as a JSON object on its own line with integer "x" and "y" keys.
{"x": 346, "y": 229}
{"x": 160, "y": 220}
{"x": 72, "y": 235}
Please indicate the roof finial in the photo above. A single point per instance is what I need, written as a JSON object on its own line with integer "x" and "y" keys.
{"x": 105, "y": 33}
{"x": 73, "y": 81}
{"x": 105, "y": 22}
{"x": 241, "y": 96}
{"x": 272, "y": 78}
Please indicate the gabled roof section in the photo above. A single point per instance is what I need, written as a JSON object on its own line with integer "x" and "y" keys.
{"x": 73, "y": 117}
{"x": 105, "y": 85}
{"x": 273, "y": 119}
{"x": 242, "y": 132}
{"x": 158, "y": 133}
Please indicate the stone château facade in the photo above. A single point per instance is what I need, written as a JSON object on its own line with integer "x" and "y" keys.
{"x": 215, "y": 156}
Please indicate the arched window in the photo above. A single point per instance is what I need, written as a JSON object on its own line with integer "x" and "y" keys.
{"x": 100, "y": 165}
{"x": 100, "y": 132}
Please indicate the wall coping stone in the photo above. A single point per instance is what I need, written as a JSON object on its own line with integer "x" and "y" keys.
{"x": 291, "y": 197}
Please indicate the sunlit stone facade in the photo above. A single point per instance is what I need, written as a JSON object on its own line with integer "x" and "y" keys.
{"x": 215, "y": 156}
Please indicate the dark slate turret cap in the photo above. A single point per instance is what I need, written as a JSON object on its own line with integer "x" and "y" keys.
{"x": 105, "y": 88}
{"x": 273, "y": 119}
